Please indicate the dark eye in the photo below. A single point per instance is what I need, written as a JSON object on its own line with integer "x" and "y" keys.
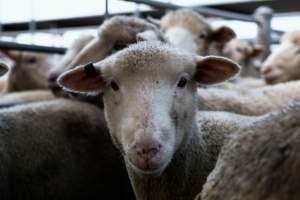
{"x": 114, "y": 85}
{"x": 32, "y": 60}
{"x": 182, "y": 82}
{"x": 119, "y": 46}
{"x": 239, "y": 49}
{"x": 202, "y": 36}
{"x": 298, "y": 51}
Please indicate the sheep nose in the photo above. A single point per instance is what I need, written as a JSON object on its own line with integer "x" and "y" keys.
{"x": 266, "y": 70}
{"x": 52, "y": 84}
{"x": 147, "y": 151}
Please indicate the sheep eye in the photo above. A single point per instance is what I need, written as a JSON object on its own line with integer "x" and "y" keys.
{"x": 202, "y": 35}
{"x": 239, "y": 49}
{"x": 32, "y": 60}
{"x": 119, "y": 46}
{"x": 114, "y": 85}
{"x": 182, "y": 82}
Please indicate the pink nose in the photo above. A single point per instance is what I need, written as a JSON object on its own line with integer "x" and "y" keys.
{"x": 266, "y": 70}
{"x": 147, "y": 151}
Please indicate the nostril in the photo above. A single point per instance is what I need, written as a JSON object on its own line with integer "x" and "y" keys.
{"x": 147, "y": 151}
{"x": 266, "y": 70}
{"x": 52, "y": 78}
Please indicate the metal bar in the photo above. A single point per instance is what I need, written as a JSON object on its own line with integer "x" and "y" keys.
{"x": 71, "y": 22}
{"x": 34, "y": 48}
{"x": 106, "y": 14}
{"x": 202, "y": 10}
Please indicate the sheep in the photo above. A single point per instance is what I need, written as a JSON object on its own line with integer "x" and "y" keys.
{"x": 149, "y": 94}
{"x": 245, "y": 54}
{"x": 113, "y": 35}
{"x": 188, "y": 30}
{"x": 29, "y": 71}
{"x": 22, "y": 97}
{"x": 248, "y": 102}
{"x": 59, "y": 149}
{"x": 77, "y": 45}
{"x": 283, "y": 64}
{"x": 259, "y": 163}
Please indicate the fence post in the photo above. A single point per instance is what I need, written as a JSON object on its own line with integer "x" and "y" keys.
{"x": 264, "y": 16}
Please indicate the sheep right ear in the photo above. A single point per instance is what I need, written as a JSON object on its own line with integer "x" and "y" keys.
{"x": 154, "y": 21}
{"x": 214, "y": 69}
{"x": 3, "y": 69}
{"x": 82, "y": 79}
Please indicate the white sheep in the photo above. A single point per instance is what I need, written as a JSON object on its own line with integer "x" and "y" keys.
{"x": 284, "y": 63}
{"x": 59, "y": 149}
{"x": 261, "y": 162}
{"x": 245, "y": 54}
{"x": 248, "y": 101}
{"x": 149, "y": 92}
{"x": 77, "y": 45}
{"x": 22, "y": 97}
{"x": 28, "y": 71}
{"x": 188, "y": 30}
{"x": 113, "y": 35}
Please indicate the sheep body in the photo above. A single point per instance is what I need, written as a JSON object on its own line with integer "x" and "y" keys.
{"x": 22, "y": 97}
{"x": 248, "y": 101}
{"x": 261, "y": 162}
{"x": 59, "y": 150}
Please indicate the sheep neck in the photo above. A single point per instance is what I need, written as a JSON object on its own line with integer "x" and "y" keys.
{"x": 182, "y": 179}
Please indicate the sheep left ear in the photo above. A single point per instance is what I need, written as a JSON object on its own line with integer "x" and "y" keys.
{"x": 223, "y": 34}
{"x": 214, "y": 69}
{"x": 82, "y": 79}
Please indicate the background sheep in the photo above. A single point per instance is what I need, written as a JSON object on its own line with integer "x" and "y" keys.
{"x": 113, "y": 35}
{"x": 245, "y": 54}
{"x": 250, "y": 101}
{"x": 77, "y": 45}
{"x": 58, "y": 150}
{"x": 261, "y": 162}
{"x": 17, "y": 98}
{"x": 283, "y": 64}
{"x": 149, "y": 97}
{"x": 188, "y": 30}
{"x": 29, "y": 71}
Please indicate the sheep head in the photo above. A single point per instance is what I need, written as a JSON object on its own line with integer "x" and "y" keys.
{"x": 188, "y": 30}
{"x": 149, "y": 92}
{"x": 284, "y": 63}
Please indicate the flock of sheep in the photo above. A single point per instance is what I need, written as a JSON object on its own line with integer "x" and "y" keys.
{"x": 141, "y": 111}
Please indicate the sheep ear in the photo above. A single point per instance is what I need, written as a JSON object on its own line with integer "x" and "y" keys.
{"x": 3, "y": 69}
{"x": 82, "y": 79}
{"x": 13, "y": 55}
{"x": 154, "y": 21}
{"x": 214, "y": 69}
{"x": 223, "y": 34}
{"x": 257, "y": 51}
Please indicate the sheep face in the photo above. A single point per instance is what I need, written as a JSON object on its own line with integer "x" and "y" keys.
{"x": 31, "y": 67}
{"x": 188, "y": 30}
{"x": 283, "y": 64}
{"x": 114, "y": 35}
{"x": 241, "y": 51}
{"x": 149, "y": 98}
